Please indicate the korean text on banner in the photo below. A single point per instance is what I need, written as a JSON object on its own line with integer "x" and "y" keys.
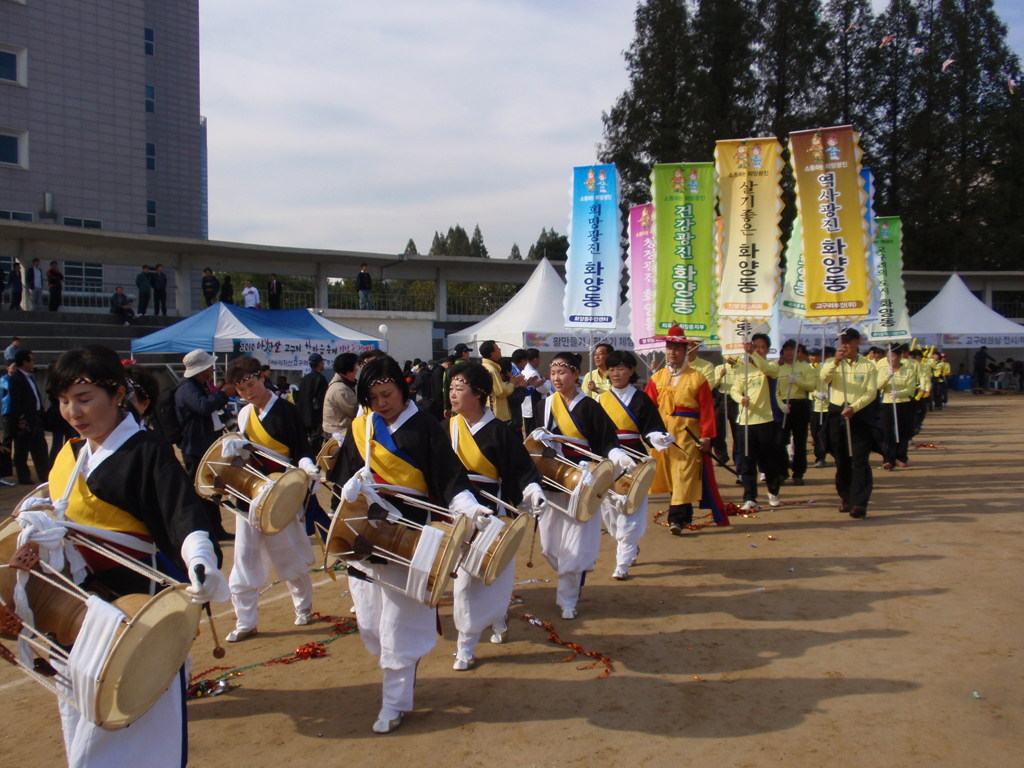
{"x": 793, "y": 284}
{"x": 641, "y": 276}
{"x": 831, "y": 202}
{"x": 749, "y": 174}
{"x": 594, "y": 264}
{"x": 293, "y": 354}
{"x": 893, "y": 324}
{"x": 684, "y": 233}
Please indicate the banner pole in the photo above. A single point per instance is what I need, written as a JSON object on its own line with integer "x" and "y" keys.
{"x": 746, "y": 392}
{"x": 892, "y": 381}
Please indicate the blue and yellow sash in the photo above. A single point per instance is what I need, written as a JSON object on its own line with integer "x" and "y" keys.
{"x": 387, "y": 462}
{"x": 564, "y": 419}
{"x": 469, "y": 452}
{"x": 258, "y": 434}
{"x": 627, "y": 425}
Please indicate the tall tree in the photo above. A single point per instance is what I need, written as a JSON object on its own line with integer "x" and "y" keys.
{"x": 410, "y": 248}
{"x": 439, "y": 246}
{"x": 549, "y": 245}
{"x": 457, "y": 241}
{"x": 515, "y": 255}
{"x": 477, "y": 249}
{"x": 852, "y": 53}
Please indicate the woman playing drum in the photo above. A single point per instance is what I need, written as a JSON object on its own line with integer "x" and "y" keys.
{"x": 127, "y": 482}
{"x": 570, "y": 546}
{"x": 499, "y": 464}
{"x": 273, "y": 423}
{"x": 634, "y": 415}
{"x": 407, "y": 449}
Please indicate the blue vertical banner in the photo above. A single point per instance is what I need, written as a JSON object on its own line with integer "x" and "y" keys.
{"x": 593, "y": 267}
{"x": 868, "y": 184}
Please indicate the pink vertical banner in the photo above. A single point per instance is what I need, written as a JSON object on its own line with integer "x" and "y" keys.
{"x": 642, "y": 255}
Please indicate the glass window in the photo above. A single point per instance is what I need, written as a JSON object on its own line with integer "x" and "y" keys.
{"x": 151, "y": 213}
{"x": 83, "y": 276}
{"x": 70, "y": 221}
{"x": 150, "y": 98}
{"x": 150, "y": 156}
{"x": 9, "y": 66}
{"x": 16, "y": 216}
{"x": 8, "y": 149}
{"x": 149, "y": 41}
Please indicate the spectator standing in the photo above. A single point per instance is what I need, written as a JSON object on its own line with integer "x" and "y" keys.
{"x": 310, "y": 402}
{"x": 340, "y": 402}
{"x": 196, "y": 408}
{"x": 26, "y": 420}
{"x": 159, "y": 282}
{"x": 227, "y": 290}
{"x": 491, "y": 354}
{"x": 15, "y": 286}
{"x": 56, "y": 284}
{"x": 36, "y": 282}
{"x": 533, "y": 405}
{"x": 250, "y": 295}
{"x": 274, "y": 289}
{"x": 981, "y": 359}
{"x": 364, "y": 286}
{"x": 437, "y": 381}
{"x": 211, "y": 287}
{"x": 12, "y": 350}
{"x": 421, "y": 388}
{"x": 596, "y": 383}
{"x": 121, "y": 305}
{"x": 144, "y": 286}
{"x": 6, "y": 465}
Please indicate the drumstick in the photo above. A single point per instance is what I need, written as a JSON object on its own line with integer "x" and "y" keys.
{"x": 533, "y": 541}
{"x": 218, "y": 652}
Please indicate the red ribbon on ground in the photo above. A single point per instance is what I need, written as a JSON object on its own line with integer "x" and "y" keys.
{"x": 576, "y": 648}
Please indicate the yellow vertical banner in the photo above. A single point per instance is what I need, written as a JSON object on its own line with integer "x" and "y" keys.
{"x": 750, "y": 200}
{"x": 831, "y": 202}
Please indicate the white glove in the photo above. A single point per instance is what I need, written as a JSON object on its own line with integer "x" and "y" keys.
{"x": 541, "y": 435}
{"x": 820, "y": 396}
{"x": 313, "y": 472}
{"x": 783, "y": 407}
{"x": 791, "y": 378}
{"x": 235, "y": 446}
{"x": 534, "y": 500}
{"x": 483, "y": 519}
{"x": 351, "y": 490}
{"x": 623, "y": 463}
{"x": 660, "y": 441}
{"x": 586, "y": 476}
{"x": 338, "y": 436}
{"x": 197, "y": 549}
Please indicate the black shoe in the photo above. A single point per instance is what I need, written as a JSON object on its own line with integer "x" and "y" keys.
{"x": 819, "y": 465}
{"x": 798, "y": 481}
{"x": 739, "y": 482}
{"x": 845, "y": 509}
{"x": 675, "y": 529}
{"x": 859, "y": 512}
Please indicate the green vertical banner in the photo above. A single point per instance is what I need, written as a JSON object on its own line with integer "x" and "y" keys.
{"x": 684, "y": 195}
{"x": 893, "y": 324}
{"x": 793, "y": 286}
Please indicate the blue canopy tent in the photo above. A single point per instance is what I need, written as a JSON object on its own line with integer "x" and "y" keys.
{"x": 283, "y": 339}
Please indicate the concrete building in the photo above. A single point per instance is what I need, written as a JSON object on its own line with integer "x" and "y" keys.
{"x": 99, "y": 122}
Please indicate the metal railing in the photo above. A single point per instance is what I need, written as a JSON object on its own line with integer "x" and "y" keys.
{"x": 88, "y": 297}
{"x": 294, "y": 300}
{"x": 384, "y": 302}
{"x": 1013, "y": 309}
{"x": 476, "y": 305}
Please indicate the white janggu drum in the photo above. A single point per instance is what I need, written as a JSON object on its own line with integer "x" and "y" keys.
{"x": 636, "y": 484}
{"x": 149, "y": 639}
{"x": 274, "y": 498}
{"x": 561, "y": 474}
{"x": 490, "y": 551}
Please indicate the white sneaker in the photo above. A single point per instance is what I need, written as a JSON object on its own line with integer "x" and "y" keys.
{"x": 750, "y": 506}
{"x": 773, "y": 499}
{"x": 385, "y": 724}
{"x": 301, "y": 619}
{"x": 499, "y": 638}
{"x": 619, "y": 573}
{"x": 568, "y": 614}
{"x": 461, "y": 665}
{"x": 237, "y": 636}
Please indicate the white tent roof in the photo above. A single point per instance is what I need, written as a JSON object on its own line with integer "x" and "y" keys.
{"x": 956, "y": 318}
{"x": 533, "y": 317}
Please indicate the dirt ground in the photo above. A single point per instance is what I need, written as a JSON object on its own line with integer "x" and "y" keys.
{"x": 894, "y": 641}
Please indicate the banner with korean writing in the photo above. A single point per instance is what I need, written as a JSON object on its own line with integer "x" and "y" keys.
{"x": 683, "y": 195}
{"x": 594, "y": 265}
{"x": 893, "y": 324}
{"x": 642, "y": 263}
{"x": 831, "y": 203}
{"x": 793, "y": 283}
{"x": 749, "y": 174}
{"x": 867, "y": 181}
{"x": 293, "y": 354}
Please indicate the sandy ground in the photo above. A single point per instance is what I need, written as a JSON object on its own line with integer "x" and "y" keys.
{"x": 840, "y": 643}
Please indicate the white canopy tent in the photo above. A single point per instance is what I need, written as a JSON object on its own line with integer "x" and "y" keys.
{"x": 533, "y": 318}
{"x": 957, "y": 319}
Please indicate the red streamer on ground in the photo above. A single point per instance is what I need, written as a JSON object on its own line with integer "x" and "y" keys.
{"x": 576, "y": 648}
{"x": 931, "y": 445}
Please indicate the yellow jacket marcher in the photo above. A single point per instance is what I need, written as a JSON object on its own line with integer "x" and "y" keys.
{"x": 756, "y": 387}
{"x": 857, "y": 381}
{"x": 500, "y": 390}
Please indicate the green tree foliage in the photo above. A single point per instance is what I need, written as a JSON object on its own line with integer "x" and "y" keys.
{"x": 457, "y": 242}
{"x": 410, "y": 248}
{"x": 946, "y": 147}
{"x": 550, "y": 245}
{"x": 515, "y": 254}
{"x": 477, "y": 249}
{"x": 439, "y": 247}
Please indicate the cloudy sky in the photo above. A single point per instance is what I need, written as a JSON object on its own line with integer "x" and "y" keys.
{"x": 356, "y": 126}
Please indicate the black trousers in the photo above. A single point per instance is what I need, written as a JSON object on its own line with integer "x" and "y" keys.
{"x": 31, "y": 442}
{"x": 903, "y": 417}
{"x": 938, "y": 394}
{"x": 680, "y": 514}
{"x": 274, "y": 300}
{"x": 316, "y": 439}
{"x": 159, "y": 301}
{"x": 920, "y": 411}
{"x": 798, "y": 422}
{"x": 819, "y": 420}
{"x": 763, "y": 453}
{"x": 55, "y": 292}
{"x": 853, "y": 473}
{"x": 143, "y": 302}
{"x": 211, "y": 508}
{"x": 719, "y": 445}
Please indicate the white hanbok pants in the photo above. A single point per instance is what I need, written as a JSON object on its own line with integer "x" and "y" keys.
{"x": 627, "y": 530}
{"x": 289, "y": 552}
{"x": 570, "y": 547}
{"x": 396, "y": 628}
{"x": 478, "y": 606}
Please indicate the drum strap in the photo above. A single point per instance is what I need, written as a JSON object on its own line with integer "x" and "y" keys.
{"x": 422, "y": 563}
{"x": 90, "y": 652}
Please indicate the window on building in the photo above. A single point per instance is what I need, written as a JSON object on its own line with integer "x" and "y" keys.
{"x": 150, "y": 98}
{"x": 16, "y": 216}
{"x": 150, "y": 41}
{"x": 13, "y": 65}
{"x": 83, "y": 276}
{"x": 70, "y": 221}
{"x": 150, "y": 156}
{"x": 13, "y": 147}
{"x": 151, "y": 213}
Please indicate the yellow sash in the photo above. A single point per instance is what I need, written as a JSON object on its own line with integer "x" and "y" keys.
{"x": 83, "y": 505}
{"x": 469, "y": 452}
{"x": 258, "y": 434}
{"x": 564, "y": 419}
{"x": 616, "y": 410}
{"x": 391, "y": 467}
